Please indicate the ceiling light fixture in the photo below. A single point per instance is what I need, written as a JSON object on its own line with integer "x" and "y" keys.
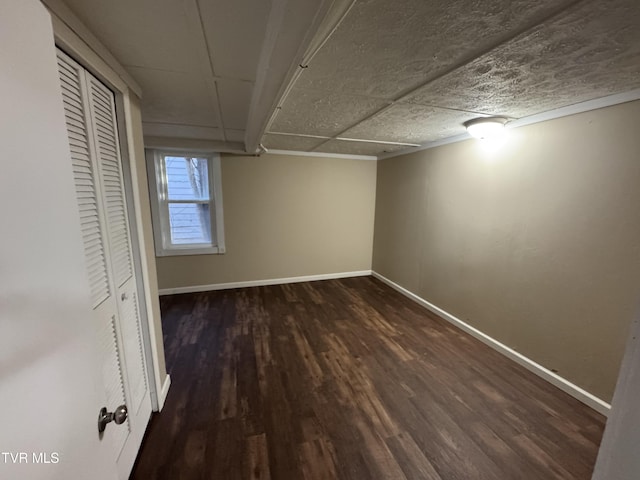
{"x": 485, "y": 127}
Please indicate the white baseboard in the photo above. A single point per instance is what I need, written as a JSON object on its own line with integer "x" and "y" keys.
{"x": 164, "y": 391}
{"x": 261, "y": 283}
{"x": 562, "y": 383}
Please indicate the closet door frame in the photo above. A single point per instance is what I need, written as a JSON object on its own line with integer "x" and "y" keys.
{"x": 68, "y": 41}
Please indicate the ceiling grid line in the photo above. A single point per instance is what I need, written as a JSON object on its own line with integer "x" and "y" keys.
{"x": 175, "y": 124}
{"x": 345, "y": 139}
{"x": 334, "y": 24}
{"x": 215, "y": 77}
{"x": 194, "y": 17}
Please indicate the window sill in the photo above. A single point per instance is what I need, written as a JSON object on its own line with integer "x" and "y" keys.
{"x": 173, "y": 252}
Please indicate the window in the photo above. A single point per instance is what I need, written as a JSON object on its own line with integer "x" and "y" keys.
{"x": 187, "y": 211}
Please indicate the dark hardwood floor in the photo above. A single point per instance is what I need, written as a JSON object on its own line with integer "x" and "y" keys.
{"x": 349, "y": 379}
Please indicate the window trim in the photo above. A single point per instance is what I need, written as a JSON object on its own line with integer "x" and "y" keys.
{"x": 160, "y": 209}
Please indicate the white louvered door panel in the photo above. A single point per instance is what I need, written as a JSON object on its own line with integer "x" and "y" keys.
{"x": 113, "y": 382}
{"x": 93, "y": 224}
{"x": 114, "y": 202}
{"x": 86, "y": 193}
{"x": 132, "y": 333}
{"x": 108, "y": 152}
{"x": 94, "y": 145}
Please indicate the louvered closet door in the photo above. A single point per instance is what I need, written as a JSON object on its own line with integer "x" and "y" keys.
{"x": 107, "y": 149}
{"x": 93, "y": 141}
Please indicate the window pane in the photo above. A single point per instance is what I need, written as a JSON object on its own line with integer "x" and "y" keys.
{"x": 190, "y": 223}
{"x": 187, "y": 178}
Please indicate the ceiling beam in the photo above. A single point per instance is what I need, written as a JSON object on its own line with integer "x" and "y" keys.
{"x": 291, "y": 34}
{"x": 193, "y": 144}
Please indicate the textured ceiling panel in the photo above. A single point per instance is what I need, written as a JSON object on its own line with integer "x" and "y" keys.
{"x": 319, "y": 113}
{"x": 357, "y": 148}
{"x": 411, "y": 124}
{"x": 589, "y": 52}
{"x": 288, "y": 142}
{"x": 235, "y": 31}
{"x": 143, "y": 33}
{"x": 171, "y": 97}
{"x": 181, "y": 131}
{"x": 386, "y": 47}
{"x": 508, "y": 57}
{"x": 235, "y": 98}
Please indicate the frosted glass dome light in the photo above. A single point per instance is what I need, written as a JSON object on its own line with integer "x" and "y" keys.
{"x": 486, "y": 127}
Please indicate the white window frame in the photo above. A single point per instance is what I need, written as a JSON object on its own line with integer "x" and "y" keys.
{"x": 160, "y": 204}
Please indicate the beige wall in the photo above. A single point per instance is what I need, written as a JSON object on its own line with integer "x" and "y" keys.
{"x": 535, "y": 243}
{"x": 285, "y": 216}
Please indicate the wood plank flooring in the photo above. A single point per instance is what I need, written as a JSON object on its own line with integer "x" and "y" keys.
{"x": 347, "y": 379}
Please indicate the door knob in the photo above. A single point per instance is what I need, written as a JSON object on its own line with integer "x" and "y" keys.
{"x": 118, "y": 417}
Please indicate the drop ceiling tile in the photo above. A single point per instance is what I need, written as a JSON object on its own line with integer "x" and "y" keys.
{"x": 383, "y": 47}
{"x": 143, "y": 33}
{"x": 289, "y": 142}
{"x": 234, "y": 135}
{"x": 172, "y": 97}
{"x": 181, "y": 131}
{"x": 411, "y": 124}
{"x": 589, "y": 52}
{"x": 357, "y": 148}
{"x": 235, "y": 31}
{"x": 312, "y": 112}
{"x": 235, "y": 98}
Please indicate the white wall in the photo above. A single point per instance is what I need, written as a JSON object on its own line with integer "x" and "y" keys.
{"x": 619, "y": 456}
{"x": 48, "y": 387}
